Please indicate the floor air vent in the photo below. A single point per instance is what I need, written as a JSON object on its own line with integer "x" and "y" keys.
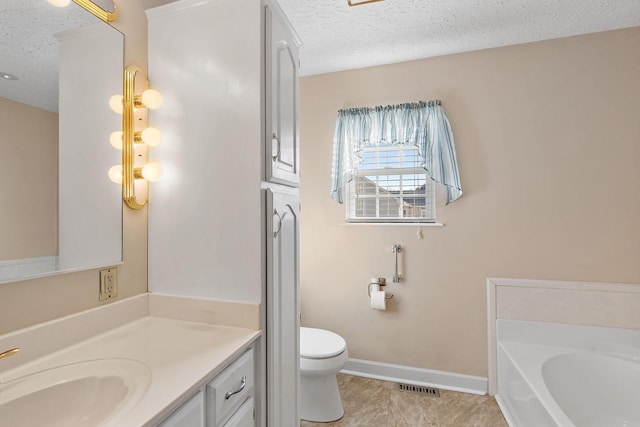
{"x": 419, "y": 389}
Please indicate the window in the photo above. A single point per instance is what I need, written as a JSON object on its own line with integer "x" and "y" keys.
{"x": 389, "y": 185}
{"x": 392, "y": 181}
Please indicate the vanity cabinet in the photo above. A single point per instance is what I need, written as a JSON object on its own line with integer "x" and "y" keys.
{"x": 244, "y": 417}
{"x": 189, "y": 414}
{"x": 229, "y": 390}
{"x": 225, "y": 401}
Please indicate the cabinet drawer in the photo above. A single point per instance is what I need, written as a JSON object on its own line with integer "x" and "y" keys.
{"x": 243, "y": 416}
{"x": 230, "y": 388}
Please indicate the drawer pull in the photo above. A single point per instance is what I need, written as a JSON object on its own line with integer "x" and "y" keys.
{"x": 243, "y": 383}
{"x": 275, "y": 138}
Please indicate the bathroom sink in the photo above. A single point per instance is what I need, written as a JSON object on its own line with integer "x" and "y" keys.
{"x": 89, "y": 393}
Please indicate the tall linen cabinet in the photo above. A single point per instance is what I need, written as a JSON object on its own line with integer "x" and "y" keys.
{"x": 224, "y": 218}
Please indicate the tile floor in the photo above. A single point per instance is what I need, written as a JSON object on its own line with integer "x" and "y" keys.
{"x": 374, "y": 403}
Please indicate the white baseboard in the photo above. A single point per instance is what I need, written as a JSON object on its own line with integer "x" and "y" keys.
{"x": 416, "y": 376}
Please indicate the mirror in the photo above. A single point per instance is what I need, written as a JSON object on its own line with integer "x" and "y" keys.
{"x": 58, "y": 210}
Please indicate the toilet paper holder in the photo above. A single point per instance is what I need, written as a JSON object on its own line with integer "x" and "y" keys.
{"x": 379, "y": 281}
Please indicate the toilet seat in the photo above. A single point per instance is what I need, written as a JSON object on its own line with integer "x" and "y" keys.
{"x": 320, "y": 343}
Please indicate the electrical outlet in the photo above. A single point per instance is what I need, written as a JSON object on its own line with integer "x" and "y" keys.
{"x": 108, "y": 283}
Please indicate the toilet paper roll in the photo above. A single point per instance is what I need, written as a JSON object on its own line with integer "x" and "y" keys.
{"x": 378, "y": 300}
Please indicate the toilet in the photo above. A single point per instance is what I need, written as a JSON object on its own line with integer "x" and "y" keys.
{"x": 322, "y": 354}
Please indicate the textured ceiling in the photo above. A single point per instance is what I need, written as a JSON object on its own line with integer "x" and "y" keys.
{"x": 29, "y": 49}
{"x": 337, "y": 37}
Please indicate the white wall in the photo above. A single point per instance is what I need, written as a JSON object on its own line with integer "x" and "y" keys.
{"x": 205, "y": 216}
{"x": 547, "y": 141}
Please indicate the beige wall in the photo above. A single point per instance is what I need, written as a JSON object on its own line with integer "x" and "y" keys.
{"x": 547, "y": 137}
{"x": 28, "y": 302}
{"x": 29, "y": 177}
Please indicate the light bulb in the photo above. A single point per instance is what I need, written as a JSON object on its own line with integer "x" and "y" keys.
{"x": 115, "y": 102}
{"x": 152, "y": 136}
{"x": 116, "y": 139}
{"x": 115, "y": 174}
{"x": 59, "y": 3}
{"x": 152, "y": 99}
{"x": 151, "y": 171}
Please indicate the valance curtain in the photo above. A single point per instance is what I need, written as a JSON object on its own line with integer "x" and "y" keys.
{"x": 421, "y": 124}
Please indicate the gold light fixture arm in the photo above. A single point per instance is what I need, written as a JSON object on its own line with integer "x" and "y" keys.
{"x": 9, "y": 353}
{"x": 105, "y": 15}
{"x": 358, "y": 3}
{"x": 128, "y": 140}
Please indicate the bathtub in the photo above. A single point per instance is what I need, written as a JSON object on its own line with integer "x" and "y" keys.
{"x": 560, "y": 375}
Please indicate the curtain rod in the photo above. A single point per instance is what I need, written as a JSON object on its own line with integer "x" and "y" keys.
{"x": 409, "y": 104}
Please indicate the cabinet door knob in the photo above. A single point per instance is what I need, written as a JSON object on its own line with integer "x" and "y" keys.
{"x": 243, "y": 383}
{"x": 275, "y": 138}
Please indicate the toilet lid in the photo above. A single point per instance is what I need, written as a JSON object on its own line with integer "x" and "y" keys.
{"x": 320, "y": 344}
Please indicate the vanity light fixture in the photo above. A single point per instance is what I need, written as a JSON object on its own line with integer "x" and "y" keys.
{"x": 131, "y": 141}
{"x": 59, "y": 3}
{"x": 116, "y": 104}
{"x": 151, "y": 136}
{"x": 7, "y": 76}
{"x": 150, "y": 98}
{"x": 89, "y": 5}
{"x": 115, "y": 174}
{"x": 358, "y": 3}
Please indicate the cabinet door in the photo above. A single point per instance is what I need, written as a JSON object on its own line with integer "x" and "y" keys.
{"x": 243, "y": 416}
{"x": 283, "y": 348}
{"x": 190, "y": 414}
{"x": 282, "y": 151}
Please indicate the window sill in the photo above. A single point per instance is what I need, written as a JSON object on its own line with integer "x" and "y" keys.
{"x": 393, "y": 224}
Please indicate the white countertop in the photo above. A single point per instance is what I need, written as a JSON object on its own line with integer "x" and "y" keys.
{"x": 181, "y": 355}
